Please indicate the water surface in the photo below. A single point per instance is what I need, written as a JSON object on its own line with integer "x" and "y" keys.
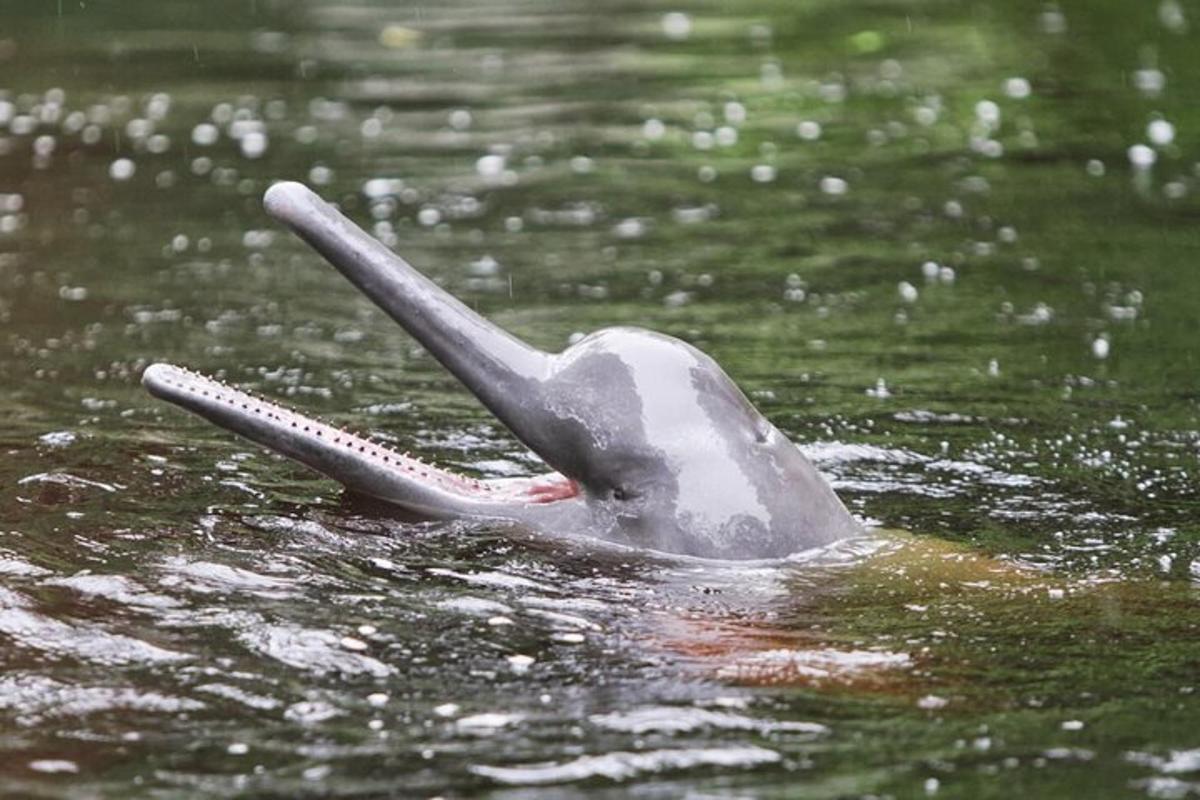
{"x": 949, "y": 248}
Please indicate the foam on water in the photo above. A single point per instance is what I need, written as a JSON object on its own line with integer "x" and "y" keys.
{"x": 622, "y": 766}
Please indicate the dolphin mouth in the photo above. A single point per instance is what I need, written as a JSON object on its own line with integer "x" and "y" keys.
{"x": 365, "y": 467}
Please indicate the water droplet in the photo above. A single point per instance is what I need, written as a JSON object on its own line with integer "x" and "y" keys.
{"x": 122, "y": 169}
{"x": 677, "y": 25}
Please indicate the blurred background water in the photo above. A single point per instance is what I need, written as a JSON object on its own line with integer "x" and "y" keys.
{"x": 949, "y": 247}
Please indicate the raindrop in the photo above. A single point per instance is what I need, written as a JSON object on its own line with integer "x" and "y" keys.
{"x": 1017, "y": 88}
{"x": 1141, "y": 156}
{"x": 122, "y": 169}
{"x": 677, "y": 25}
{"x": 763, "y": 173}
{"x": 490, "y": 166}
{"x": 253, "y": 144}
{"x": 1160, "y": 132}
{"x": 205, "y": 134}
{"x": 653, "y": 129}
{"x": 835, "y": 186}
{"x": 808, "y": 130}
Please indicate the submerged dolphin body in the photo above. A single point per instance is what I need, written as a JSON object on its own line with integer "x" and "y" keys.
{"x": 651, "y": 443}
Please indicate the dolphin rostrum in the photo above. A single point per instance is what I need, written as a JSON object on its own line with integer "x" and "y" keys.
{"x": 651, "y": 444}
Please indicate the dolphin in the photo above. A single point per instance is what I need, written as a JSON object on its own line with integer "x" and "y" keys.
{"x": 648, "y": 442}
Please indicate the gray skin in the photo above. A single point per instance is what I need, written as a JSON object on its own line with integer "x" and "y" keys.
{"x": 652, "y": 445}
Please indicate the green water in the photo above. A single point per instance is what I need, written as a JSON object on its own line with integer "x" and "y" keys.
{"x": 183, "y": 615}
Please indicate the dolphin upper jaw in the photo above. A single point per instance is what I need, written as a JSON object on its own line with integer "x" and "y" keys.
{"x": 649, "y": 441}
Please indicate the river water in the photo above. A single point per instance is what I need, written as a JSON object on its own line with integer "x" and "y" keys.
{"x": 949, "y": 248}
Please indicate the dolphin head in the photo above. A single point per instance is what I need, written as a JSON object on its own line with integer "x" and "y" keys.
{"x": 650, "y": 441}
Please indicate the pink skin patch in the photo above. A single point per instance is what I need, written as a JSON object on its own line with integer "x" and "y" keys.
{"x": 549, "y": 488}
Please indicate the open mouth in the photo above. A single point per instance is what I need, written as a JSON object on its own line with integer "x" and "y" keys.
{"x": 364, "y": 466}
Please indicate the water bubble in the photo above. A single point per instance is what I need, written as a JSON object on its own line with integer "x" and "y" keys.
{"x": 653, "y": 129}
{"x": 880, "y": 390}
{"x": 707, "y": 173}
{"x": 1101, "y": 347}
{"x": 762, "y": 173}
{"x": 808, "y": 130}
{"x": 238, "y": 749}
{"x": 122, "y": 169}
{"x": 1095, "y": 168}
{"x": 490, "y": 166}
{"x": 908, "y": 293}
{"x": 771, "y": 75}
{"x": 371, "y": 128}
{"x": 925, "y": 116}
{"x": 253, "y": 144}
{"x": 520, "y": 663}
{"x": 460, "y": 119}
{"x": 1160, "y": 132}
{"x": 581, "y": 165}
{"x": 202, "y": 165}
{"x": 320, "y": 175}
{"x": 735, "y": 113}
{"x": 429, "y": 216}
{"x": 947, "y": 275}
{"x": 726, "y": 136}
{"x": 835, "y": 186}
{"x": 631, "y": 228}
{"x": 1150, "y": 82}
{"x": 139, "y": 128}
{"x": 988, "y": 113}
{"x": 703, "y": 140}
{"x": 677, "y": 25}
{"x": 1170, "y": 14}
{"x": 1017, "y": 88}
{"x": 1052, "y": 20}
{"x": 1142, "y": 157}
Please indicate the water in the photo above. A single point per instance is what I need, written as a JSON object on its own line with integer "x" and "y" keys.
{"x": 949, "y": 249}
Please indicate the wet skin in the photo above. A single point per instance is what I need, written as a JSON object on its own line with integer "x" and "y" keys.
{"x": 652, "y": 445}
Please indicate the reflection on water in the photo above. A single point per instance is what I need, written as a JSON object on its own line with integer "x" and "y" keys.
{"x": 948, "y": 249}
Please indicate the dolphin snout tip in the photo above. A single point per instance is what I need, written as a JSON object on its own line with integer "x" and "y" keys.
{"x": 283, "y": 199}
{"x": 153, "y": 373}
{"x": 156, "y": 378}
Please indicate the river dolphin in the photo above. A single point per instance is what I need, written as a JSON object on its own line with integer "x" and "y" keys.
{"x": 650, "y": 442}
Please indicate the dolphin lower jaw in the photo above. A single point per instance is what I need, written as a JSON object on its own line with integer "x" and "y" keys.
{"x": 363, "y": 466}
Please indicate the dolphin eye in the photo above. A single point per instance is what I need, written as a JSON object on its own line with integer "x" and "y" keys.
{"x": 622, "y": 494}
